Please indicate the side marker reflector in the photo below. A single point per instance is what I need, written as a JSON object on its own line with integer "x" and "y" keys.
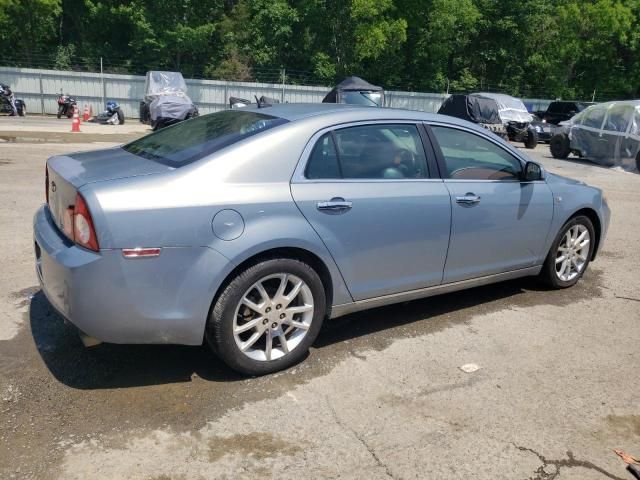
{"x": 140, "y": 252}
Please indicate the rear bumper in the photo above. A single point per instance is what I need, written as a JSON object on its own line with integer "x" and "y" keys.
{"x": 164, "y": 299}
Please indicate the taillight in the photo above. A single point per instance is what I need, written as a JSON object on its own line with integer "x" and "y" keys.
{"x": 46, "y": 183}
{"x": 83, "y": 232}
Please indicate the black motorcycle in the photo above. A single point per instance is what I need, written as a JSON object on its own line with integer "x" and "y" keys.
{"x": 112, "y": 115}
{"x": 66, "y": 105}
{"x": 9, "y": 104}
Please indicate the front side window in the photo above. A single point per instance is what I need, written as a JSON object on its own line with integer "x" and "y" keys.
{"x": 618, "y": 118}
{"x": 369, "y": 152}
{"x": 468, "y": 156}
{"x": 593, "y": 118}
{"x": 191, "y": 140}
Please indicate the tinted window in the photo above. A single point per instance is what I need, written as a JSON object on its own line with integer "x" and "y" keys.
{"x": 372, "y": 99}
{"x": 323, "y": 161}
{"x": 594, "y": 117}
{"x": 470, "y": 157}
{"x": 188, "y": 141}
{"x": 369, "y": 152}
{"x": 555, "y": 107}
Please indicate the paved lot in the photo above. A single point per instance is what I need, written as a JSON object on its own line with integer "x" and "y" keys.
{"x": 380, "y": 395}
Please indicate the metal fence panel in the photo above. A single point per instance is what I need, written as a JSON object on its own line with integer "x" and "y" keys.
{"x": 40, "y": 89}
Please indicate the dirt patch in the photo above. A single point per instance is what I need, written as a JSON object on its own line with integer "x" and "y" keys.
{"x": 625, "y": 423}
{"x": 254, "y": 445}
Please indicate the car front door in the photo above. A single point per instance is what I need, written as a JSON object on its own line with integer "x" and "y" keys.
{"x": 499, "y": 222}
{"x": 369, "y": 192}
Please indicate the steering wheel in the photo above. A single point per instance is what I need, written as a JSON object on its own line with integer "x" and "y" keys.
{"x": 405, "y": 161}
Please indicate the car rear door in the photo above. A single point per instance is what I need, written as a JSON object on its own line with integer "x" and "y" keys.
{"x": 499, "y": 223}
{"x": 371, "y": 193}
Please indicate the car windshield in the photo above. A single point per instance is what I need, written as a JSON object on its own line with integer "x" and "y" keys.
{"x": 193, "y": 139}
{"x": 373, "y": 99}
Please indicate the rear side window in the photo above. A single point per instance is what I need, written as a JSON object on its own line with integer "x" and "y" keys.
{"x": 191, "y": 140}
{"x": 468, "y": 156}
{"x": 369, "y": 152}
{"x": 618, "y": 118}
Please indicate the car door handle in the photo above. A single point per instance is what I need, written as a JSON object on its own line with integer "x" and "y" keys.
{"x": 335, "y": 205}
{"x": 468, "y": 200}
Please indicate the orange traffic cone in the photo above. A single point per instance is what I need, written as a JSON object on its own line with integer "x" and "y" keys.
{"x": 85, "y": 114}
{"x": 75, "y": 123}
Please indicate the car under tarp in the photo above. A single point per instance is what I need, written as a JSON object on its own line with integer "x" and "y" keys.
{"x": 474, "y": 108}
{"x": 356, "y": 91}
{"x": 510, "y": 109}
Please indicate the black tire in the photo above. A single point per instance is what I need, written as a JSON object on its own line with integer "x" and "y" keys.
{"x": 120, "y": 116}
{"x": 219, "y": 330}
{"x": 531, "y": 140}
{"x": 560, "y": 146}
{"x": 638, "y": 162}
{"x": 60, "y": 108}
{"x": 548, "y": 273}
{"x": 22, "y": 111}
{"x": 70, "y": 110}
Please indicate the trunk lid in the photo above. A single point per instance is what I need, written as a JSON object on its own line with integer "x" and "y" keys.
{"x": 67, "y": 173}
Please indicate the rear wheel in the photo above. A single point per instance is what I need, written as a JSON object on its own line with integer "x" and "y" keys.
{"x": 267, "y": 317}
{"x": 60, "y": 111}
{"x": 560, "y": 146}
{"x": 638, "y": 162}
{"x": 22, "y": 110}
{"x": 531, "y": 140}
{"x": 70, "y": 110}
{"x": 570, "y": 253}
{"x": 120, "y": 116}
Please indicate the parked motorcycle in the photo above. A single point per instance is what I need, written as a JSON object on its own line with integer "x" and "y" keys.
{"x": 112, "y": 115}
{"x": 66, "y": 105}
{"x": 9, "y": 104}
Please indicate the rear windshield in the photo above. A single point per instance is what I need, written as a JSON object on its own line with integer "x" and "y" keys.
{"x": 194, "y": 139}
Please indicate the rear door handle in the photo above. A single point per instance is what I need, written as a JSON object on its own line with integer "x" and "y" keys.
{"x": 335, "y": 205}
{"x": 468, "y": 200}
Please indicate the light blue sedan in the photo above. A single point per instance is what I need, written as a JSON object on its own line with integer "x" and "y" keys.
{"x": 248, "y": 228}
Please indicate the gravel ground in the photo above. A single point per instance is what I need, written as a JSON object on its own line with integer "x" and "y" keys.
{"x": 381, "y": 394}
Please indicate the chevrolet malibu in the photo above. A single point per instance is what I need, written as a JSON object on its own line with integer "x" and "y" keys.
{"x": 248, "y": 228}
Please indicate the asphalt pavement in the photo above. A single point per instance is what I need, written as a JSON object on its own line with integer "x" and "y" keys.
{"x": 381, "y": 394}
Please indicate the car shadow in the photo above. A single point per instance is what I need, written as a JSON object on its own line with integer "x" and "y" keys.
{"x": 122, "y": 366}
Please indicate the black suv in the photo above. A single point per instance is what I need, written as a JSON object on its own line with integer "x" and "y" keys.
{"x": 560, "y": 111}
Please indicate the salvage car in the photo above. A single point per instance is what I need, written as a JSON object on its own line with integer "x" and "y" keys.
{"x": 247, "y": 228}
{"x": 607, "y": 133}
{"x": 543, "y": 129}
{"x": 516, "y": 118}
{"x": 477, "y": 109}
{"x": 165, "y": 100}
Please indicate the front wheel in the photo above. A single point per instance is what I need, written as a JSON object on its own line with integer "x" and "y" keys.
{"x": 531, "y": 141}
{"x": 560, "y": 146}
{"x": 570, "y": 253}
{"x": 60, "y": 111}
{"x": 267, "y": 317}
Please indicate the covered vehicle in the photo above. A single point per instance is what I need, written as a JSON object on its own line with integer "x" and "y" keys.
{"x": 608, "y": 133}
{"x": 165, "y": 101}
{"x": 516, "y": 119}
{"x": 544, "y": 130}
{"x": 477, "y": 109}
{"x": 9, "y": 103}
{"x": 356, "y": 91}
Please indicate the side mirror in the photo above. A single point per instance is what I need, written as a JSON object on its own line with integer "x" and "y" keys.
{"x": 532, "y": 172}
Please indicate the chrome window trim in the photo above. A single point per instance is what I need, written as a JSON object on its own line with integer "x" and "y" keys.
{"x": 523, "y": 161}
{"x": 298, "y": 173}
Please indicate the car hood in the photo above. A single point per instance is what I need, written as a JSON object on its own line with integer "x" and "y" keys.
{"x": 99, "y": 165}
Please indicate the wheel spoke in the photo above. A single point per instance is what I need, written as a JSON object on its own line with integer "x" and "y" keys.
{"x": 296, "y": 324}
{"x": 269, "y": 344}
{"x": 247, "y": 326}
{"x": 561, "y": 259}
{"x": 284, "y": 281}
{"x": 584, "y": 244}
{"x": 248, "y": 303}
{"x": 249, "y": 343}
{"x": 263, "y": 293}
{"x": 283, "y": 341}
{"x": 581, "y": 236}
{"x": 294, "y": 291}
{"x": 299, "y": 309}
{"x": 562, "y": 268}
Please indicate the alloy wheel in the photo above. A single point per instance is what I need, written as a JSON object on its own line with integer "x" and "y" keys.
{"x": 273, "y": 316}
{"x": 572, "y": 254}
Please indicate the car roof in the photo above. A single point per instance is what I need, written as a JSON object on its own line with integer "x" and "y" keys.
{"x": 343, "y": 112}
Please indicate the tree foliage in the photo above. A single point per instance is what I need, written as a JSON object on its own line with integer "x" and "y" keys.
{"x": 544, "y": 48}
